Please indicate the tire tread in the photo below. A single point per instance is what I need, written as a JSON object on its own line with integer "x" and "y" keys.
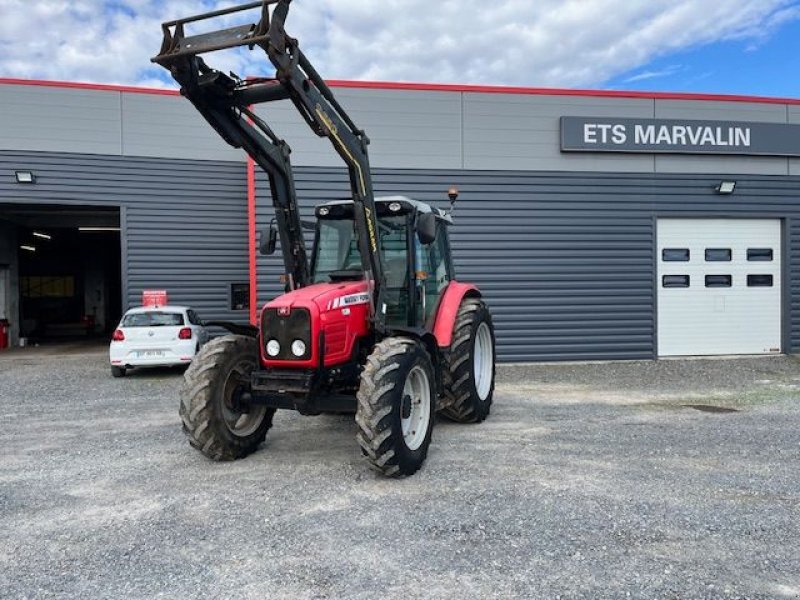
{"x": 459, "y": 403}
{"x": 376, "y": 435}
{"x": 201, "y": 379}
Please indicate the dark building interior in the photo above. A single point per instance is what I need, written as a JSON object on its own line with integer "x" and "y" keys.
{"x": 64, "y": 271}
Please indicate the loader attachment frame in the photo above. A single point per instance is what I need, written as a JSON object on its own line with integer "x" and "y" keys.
{"x": 226, "y": 103}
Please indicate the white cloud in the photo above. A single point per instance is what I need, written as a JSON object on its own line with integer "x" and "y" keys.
{"x": 650, "y": 74}
{"x": 513, "y": 42}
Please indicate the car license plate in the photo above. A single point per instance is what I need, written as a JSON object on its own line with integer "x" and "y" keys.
{"x": 150, "y": 353}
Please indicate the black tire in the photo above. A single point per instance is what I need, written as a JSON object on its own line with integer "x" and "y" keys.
{"x": 462, "y": 402}
{"x": 381, "y": 403}
{"x": 218, "y": 373}
{"x": 117, "y": 371}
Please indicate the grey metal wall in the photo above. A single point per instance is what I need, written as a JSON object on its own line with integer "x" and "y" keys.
{"x": 566, "y": 260}
{"x": 792, "y": 293}
{"x": 420, "y": 129}
{"x": 184, "y": 222}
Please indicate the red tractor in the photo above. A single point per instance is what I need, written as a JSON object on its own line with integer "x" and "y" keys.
{"x": 374, "y": 323}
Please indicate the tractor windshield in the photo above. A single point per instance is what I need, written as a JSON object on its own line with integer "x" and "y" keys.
{"x": 336, "y": 255}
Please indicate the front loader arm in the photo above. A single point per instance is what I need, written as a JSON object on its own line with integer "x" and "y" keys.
{"x": 209, "y": 91}
{"x": 224, "y": 102}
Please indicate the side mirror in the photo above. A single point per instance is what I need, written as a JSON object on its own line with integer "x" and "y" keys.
{"x": 426, "y": 228}
{"x": 268, "y": 241}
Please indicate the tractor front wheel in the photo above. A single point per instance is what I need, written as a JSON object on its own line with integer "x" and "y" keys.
{"x": 396, "y": 406}
{"x": 469, "y": 364}
{"x": 216, "y": 417}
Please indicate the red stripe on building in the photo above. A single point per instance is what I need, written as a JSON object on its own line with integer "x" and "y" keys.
{"x": 437, "y": 87}
{"x": 251, "y": 236}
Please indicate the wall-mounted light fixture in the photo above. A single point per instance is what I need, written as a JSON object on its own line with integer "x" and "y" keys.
{"x": 726, "y": 187}
{"x": 28, "y": 248}
{"x": 25, "y": 176}
{"x": 42, "y": 236}
{"x": 98, "y": 228}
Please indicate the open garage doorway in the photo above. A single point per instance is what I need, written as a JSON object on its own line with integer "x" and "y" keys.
{"x": 63, "y": 273}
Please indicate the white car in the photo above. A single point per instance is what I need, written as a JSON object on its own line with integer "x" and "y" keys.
{"x": 156, "y": 337}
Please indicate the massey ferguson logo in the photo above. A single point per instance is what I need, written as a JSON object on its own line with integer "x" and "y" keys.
{"x": 284, "y": 311}
{"x": 345, "y": 301}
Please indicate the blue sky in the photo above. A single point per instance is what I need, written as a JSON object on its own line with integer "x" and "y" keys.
{"x": 717, "y": 46}
{"x": 769, "y": 67}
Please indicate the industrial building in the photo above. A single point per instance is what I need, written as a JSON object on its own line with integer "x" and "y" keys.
{"x": 599, "y": 225}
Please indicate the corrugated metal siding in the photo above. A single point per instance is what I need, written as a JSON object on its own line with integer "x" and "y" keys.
{"x": 186, "y": 220}
{"x": 567, "y": 275}
{"x": 793, "y": 319}
{"x": 565, "y": 260}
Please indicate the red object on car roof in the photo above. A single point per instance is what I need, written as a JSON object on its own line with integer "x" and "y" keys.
{"x": 154, "y": 298}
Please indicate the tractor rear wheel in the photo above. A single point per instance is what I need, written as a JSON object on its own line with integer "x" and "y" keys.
{"x": 396, "y": 406}
{"x": 469, "y": 364}
{"x": 214, "y": 417}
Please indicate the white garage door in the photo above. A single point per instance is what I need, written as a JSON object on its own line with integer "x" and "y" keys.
{"x": 719, "y": 286}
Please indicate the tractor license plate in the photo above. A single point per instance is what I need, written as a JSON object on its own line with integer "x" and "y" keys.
{"x": 150, "y": 353}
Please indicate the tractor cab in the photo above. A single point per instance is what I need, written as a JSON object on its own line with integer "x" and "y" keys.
{"x": 414, "y": 247}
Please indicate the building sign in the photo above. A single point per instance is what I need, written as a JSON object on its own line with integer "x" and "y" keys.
{"x": 602, "y": 134}
{"x": 155, "y": 298}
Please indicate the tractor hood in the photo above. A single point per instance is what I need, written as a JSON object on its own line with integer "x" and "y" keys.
{"x": 326, "y": 296}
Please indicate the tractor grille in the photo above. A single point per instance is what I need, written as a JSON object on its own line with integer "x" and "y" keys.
{"x": 294, "y": 326}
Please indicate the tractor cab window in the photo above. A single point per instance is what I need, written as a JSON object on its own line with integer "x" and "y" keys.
{"x": 337, "y": 257}
{"x": 337, "y": 250}
{"x": 433, "y": 271}
{"x": 337, "y": 254}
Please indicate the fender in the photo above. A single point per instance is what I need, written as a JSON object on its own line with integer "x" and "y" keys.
{"x": 448, "y": 308}
{"x": 431, "y": 345}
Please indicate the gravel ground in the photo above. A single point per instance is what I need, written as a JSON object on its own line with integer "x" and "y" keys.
{"x": 596, "y": 481}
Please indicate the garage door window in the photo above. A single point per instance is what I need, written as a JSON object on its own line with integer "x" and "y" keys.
{"x": 675, "y": 281}
{"x": 759, "y": 281}
{"x": 759, "y": 254}
{"x": 675, "y": 255}
{"x": 719, "y": 281}
{"x": 718, "y": 254}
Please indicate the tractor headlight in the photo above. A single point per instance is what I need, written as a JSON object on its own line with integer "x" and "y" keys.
{"x": 273, "y": 348}
{"x": 298, "y": 348}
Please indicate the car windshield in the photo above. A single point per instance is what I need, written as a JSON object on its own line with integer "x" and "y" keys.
{"x": 152, "y": 319}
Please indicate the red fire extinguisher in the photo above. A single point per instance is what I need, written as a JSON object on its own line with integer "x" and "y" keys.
{"x": 4, "y": 334}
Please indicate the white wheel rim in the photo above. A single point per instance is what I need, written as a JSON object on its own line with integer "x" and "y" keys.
{"x": 418, "y": 390}
{"x": 483, "y": 361}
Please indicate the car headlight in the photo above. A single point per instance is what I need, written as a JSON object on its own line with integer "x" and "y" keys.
{"x": 273, "y": 348}
{"x": 298, "y": 348}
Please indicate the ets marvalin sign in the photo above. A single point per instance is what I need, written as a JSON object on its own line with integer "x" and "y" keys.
{"x": 601, "y": 134}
